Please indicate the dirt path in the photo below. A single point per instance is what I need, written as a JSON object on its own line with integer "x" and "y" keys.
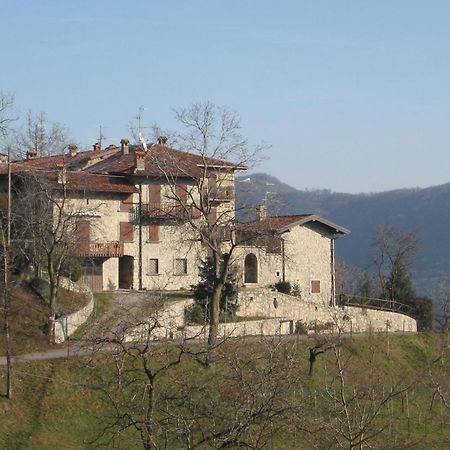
{"x": 124, "y": 310}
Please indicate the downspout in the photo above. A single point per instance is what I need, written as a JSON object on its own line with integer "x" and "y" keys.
{"x": 283, "y": 256}
{"x": 333, "y": 274}
{"x": 140, "y": 238}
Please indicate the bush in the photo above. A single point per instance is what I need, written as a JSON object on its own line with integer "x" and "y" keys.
{"x": 195, "y": 314}
{"x": 283, "y": 286}
{"x": 41, "y": 287}
{"x": 73, "y": 269}
{"x": 203, "y": 290}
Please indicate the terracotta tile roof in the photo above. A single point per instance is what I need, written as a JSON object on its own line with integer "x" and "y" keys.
{"x": 82, "y": 181}
{"x": 160, "y": 160}
{"x": 56, "y": 161}
{"x": 279, "y": 224}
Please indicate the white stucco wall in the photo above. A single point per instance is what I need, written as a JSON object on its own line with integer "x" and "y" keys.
{"x": 308, "y": 258}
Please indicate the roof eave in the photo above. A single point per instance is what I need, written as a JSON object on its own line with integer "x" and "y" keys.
{"x": 336, "y": 229}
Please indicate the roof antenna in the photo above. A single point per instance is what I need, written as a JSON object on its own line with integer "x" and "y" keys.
{"x": 101, "y": 136}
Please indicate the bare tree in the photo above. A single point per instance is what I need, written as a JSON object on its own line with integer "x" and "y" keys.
{"x": 43, "y": 136}
{"x": 393, "y": 258}
{"x": 134, "y": 389}
{"x": 212, "y": 133}
{"x": 6, "y": 116}
{"x": 46, "y": 216}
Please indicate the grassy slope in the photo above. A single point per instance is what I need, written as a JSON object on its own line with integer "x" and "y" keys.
{"x": 51, "y": 410}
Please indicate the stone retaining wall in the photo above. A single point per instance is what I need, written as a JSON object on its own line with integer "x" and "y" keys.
{"x": 269, "y": 303}
{"x": 283, "y": 315}
{"x": 65, "y": 326}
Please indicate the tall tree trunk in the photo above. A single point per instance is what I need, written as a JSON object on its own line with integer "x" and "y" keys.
{"x": 221, "y": 264}
{"x": 148, "y": 422}
{"x": 52, "y": 302}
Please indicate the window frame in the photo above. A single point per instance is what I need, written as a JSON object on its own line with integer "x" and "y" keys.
{"x": 185, "y": 263}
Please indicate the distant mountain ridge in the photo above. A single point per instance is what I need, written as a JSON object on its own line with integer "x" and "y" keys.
{"x": 423, "y": 210}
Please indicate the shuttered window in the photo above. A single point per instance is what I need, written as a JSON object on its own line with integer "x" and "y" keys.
{"x": 126, "y": 232}
{"x": 181, "y": 193}
{"x": 315, "y": 286}
{"x": 153, "y": 233}
{"x": 154, "y": 193}
{"x": 126, "y": 204}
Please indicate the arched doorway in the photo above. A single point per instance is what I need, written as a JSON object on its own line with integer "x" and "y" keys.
{"x": 250, "y": 269}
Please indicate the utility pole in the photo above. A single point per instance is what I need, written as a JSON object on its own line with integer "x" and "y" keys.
{"x": 6, "y": 248}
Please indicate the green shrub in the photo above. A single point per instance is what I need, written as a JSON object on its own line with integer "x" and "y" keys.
{"x": 41, "y": 287}
{"x": 202, "y": 292}
{"x": 283, "y": 286}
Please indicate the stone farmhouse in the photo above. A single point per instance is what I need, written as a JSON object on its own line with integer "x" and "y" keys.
{"x": 137, "y": 208}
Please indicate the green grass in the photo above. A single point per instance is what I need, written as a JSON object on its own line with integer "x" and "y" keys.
{"x": 53, "y": 407}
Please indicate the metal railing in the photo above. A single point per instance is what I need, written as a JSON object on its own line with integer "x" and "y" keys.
{"x": 219, "y": 194}
{"x": 374, "y": 303}
{"x": 101, "y": 249}
{"x": 165, "y": 211}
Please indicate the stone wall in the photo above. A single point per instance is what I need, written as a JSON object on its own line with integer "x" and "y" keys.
{"x": 65, "y": 326}
{"x": 270, "y": 303}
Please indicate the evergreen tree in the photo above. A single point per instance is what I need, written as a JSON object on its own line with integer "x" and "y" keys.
{"x": 203, "y": 290}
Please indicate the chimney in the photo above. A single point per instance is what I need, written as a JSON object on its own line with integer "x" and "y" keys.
{"x": 31, "y": 153}
{"x": 97, "y": 147}
{"x": 162, "y": 140}
{"x": 62, "y": 174}
{"x": 140, "y": 160}
{"x": 125, "y": 146}
{"x": 73, "y": 149}
{"x": 261, "y": 213}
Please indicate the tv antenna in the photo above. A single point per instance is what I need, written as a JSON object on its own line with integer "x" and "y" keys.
{"x": 101, "y": 136}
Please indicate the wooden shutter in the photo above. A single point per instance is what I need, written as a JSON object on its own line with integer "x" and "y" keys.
{"x": 126, "y": 232}
{"x": 212, "y": 216}
{"x": 154, "y": 193}
{"x": 126, "y": 204}
{"x": 82, "y": 233}
{"x": 315, "y": 286}
{"x": 153, "y": 233}
{"x": 181, "y": 193}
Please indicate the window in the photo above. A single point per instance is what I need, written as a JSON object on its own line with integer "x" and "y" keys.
{"x": 126, "y": 232}
{"x": 126, "y": 204}
{"x": 250, "y": 268}
{"x": 180, "y": 267}
{"x": 153, "y": 233}
{"x": 153, "y": 266}
{"x": 315, "y": 286}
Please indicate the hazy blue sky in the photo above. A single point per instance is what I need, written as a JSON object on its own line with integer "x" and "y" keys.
{"x": 352, "y": 95}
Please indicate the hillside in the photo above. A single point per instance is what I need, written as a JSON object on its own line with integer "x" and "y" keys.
{"x": 394, "y": 389}
{"x": 425, "y": 211}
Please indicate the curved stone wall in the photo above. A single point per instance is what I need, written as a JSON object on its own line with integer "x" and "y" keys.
{"x": 65, "y": 326}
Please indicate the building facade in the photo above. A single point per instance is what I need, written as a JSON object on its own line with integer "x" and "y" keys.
{"x": 141, "y": 214}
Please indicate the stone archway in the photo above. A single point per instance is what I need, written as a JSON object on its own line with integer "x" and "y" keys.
{"x": 251, "y": 268}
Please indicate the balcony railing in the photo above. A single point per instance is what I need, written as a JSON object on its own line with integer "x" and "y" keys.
{"x": 374, "y": 303}
{"x": 165, "y": 212}
{"x": 219, "y": 194}
{"x": 101, "y": 249}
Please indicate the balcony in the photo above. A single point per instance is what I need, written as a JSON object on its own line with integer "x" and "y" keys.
{"x": 101, "y": 249}
{"x": 164, "y": 212}
{"x": 219, "y": 194}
